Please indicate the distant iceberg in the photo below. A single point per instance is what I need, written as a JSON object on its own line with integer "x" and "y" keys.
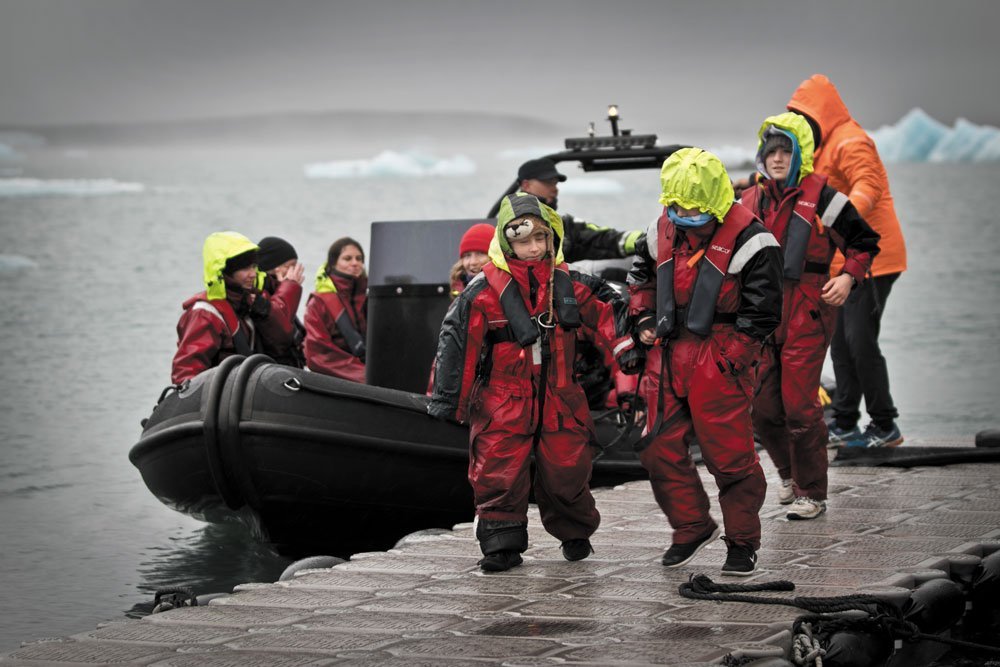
{"x": 7, "y": 153}
{"x": 526, "y": 153}
{"x": 392, "y": 164}
{"x": 15, "y": 263}
{"x": 591, "y": 186}
{"x": 917, "y": 137}
{"x": 735, "y": 157}
{"x": 34, "y": 187}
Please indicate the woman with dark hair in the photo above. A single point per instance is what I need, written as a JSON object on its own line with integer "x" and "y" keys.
{"x": 336, "y": 314}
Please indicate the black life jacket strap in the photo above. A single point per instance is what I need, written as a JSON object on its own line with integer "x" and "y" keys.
{"x": 816, "y": 267}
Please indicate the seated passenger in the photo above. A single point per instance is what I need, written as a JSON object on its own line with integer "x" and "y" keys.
{"x": 282, "y": 276}
{"x": 231, "y": 316}
{"x": 472, "y": 255}
{"x": 336, "y": 314}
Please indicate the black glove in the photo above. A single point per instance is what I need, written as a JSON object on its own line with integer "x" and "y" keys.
{"x": 631, "y": 360}
{"x": 260, "y": 309}
{"x": 641, "y": 246}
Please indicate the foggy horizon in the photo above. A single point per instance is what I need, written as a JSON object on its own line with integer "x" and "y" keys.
{"x": 713, "y": 64}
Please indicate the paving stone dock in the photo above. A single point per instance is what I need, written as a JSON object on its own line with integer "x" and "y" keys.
{"x": 426, "y": 603}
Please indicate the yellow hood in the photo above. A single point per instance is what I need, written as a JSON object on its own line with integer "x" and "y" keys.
{"x": 796, "y": 125}
{"x": 695, "y": 178}
{"x": 218, "y": 248}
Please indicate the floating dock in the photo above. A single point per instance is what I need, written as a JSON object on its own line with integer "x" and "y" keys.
{"x": 427, "y": 603}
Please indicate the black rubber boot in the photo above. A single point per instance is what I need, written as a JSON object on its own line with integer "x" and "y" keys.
{"x": 502, "y": 543}
{"x": 577, "y": 549}
{"x": 501, "y": 561}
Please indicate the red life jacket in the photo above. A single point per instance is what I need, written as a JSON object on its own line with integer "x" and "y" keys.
{"x": 354, "y": 339}
{"x": 522, "y": 328}
{"x": 704, "y": 289}
{"x": 804, "y": 244}
{"x": 242, "y": 341}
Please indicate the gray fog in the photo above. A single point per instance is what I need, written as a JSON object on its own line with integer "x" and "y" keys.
{"x": 698, "y": 65}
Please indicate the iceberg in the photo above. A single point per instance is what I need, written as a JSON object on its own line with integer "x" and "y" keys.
{"x": 7, "y": 153}
{"x": 15, "y": 263}
{"x": 526, "y": 153}
{"x": 393, "y": 164}
{"x": 735, "y": 157}
{"x": 591, "y": 186}
{"x": 34, "y": 187}
{"x": 917, "y": 137}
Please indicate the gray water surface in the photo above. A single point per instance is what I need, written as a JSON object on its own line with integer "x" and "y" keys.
{"x": 88, "y": 333}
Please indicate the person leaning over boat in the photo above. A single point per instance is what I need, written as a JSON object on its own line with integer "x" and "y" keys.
{"x": 584, "y": 240}
{"x": 704, "y": 296}
{"x": 811, "y": 220}
{"x": 336, "y": 314}
{"x": 473, "y": 254}
{"x": 504, "y": 365}
{"x": 231, "y": 316}
{"x": 279, "y": 264}
{"x": 849, "y": 159}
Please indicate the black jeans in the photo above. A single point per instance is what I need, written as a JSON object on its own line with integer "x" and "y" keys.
{"x": 858, "y": 363}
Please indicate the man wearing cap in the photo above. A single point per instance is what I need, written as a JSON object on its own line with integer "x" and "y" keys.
{"x": 231, "y": 316}
{"x": 584, "y": 240}
{"x": 282, "y": 283}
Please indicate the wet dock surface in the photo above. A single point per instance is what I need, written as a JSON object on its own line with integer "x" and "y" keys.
{"x": 427, "y": 603}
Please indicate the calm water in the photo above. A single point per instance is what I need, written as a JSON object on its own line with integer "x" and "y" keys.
{"x": 88, "y": 333}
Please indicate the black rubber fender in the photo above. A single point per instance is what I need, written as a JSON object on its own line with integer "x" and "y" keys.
{"x": 935, "y": 605}
{"x": 988, "y": 438}
{"x": 229, "y": 446}
{"x": 211, "y": 430}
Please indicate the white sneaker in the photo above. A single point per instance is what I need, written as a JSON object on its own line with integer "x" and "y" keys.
{"x": 786, "y": 492}
{"x": 806, "y": 508}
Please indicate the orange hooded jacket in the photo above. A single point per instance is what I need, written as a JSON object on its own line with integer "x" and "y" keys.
{"x": 848, "y": 157}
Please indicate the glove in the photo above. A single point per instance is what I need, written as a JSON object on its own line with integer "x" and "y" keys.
{"x": 737, "y": 353}
{"x": 627, "y": 406}
{"x": 260, "y": 309}
{"x": 641, "y": 246}
{"x": 631, "y": 360}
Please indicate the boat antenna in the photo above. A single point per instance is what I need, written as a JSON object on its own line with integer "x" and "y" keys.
{"x": 613, "y": 118}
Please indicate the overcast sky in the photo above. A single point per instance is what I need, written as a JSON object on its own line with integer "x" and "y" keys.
{"x": 693, "y": 64}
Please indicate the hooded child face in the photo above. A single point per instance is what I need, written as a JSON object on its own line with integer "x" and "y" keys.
{"x": 529, "y": 238}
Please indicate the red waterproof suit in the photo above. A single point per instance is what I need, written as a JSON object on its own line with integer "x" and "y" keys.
{"x": 717, "y": 300}
{"x": 488, "y": 372}
{"x": 811, "y": 221}
{"x": 211, "y": 330}
{"x": 336, "y": 325}
{"x": 286, "y": 346}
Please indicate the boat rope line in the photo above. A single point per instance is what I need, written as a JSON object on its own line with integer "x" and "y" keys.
{"x": 883, "y": 618}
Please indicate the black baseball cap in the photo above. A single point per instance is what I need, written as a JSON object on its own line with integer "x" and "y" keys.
{"x": 542, "y": 169}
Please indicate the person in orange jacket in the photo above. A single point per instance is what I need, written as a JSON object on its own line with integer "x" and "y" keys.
{"x": 849, "y": 159}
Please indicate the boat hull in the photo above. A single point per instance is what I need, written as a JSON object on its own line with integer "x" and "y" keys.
{"x": 315, "y": 464}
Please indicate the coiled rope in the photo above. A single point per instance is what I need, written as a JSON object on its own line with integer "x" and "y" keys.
{"x": 883, "y": 618}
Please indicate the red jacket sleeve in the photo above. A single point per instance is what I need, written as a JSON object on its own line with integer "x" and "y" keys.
{"x": 599, "y": 317}
{"x": 323, "y": 355}
{"x": 285, "y": 304}
{"x": 199, "y": 339}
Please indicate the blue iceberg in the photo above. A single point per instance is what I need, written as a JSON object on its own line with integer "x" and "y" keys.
{"x": 917, "y": 137}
